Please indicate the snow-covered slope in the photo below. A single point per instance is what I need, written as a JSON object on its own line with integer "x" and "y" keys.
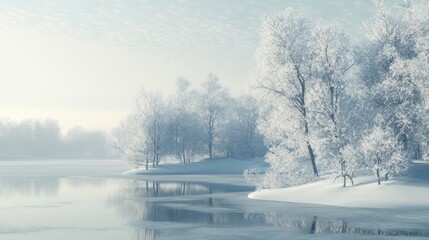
{"x": 401, "y": 192}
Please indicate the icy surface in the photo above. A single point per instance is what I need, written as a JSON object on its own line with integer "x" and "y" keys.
{"x": 91, "y": 199}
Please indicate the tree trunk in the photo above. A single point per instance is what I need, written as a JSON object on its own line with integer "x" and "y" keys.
{"x": 344, "y": 180}
{"x": 417, "y": 152}
{"x": 378, "y": 176}
{"x": 343, "y": 170}
{"x": 386, "y": 177}
{"x": 303, "y": 109}
{"x": 312, "y": 159}
{"x": 210, "y": 150}
{"x": 310, "y": 149}
{"x": 210, "y": 144}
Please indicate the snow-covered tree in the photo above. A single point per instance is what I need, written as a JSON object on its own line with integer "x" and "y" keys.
{"x": 213, "y": 98}
{"x": 131, "y": 143}
{"x": 283, "y": 75}
{"x": 238, "y": 132}
{"x": 383, "y": 154}
{"x": 332, "y": 63}
{"x": 394, "y": 68}
{"x": 185, "y": 128}
{"x": 150, "y": 113}
{"x": 247, "y": 113}
{"x": 192, "y": 121}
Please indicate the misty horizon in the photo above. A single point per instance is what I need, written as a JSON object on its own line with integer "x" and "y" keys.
{"x": 36, "y": 139}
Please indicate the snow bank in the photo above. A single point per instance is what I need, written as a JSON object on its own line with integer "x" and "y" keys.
{"x": 403, "y": 192}
{"x": 214, "y": 166}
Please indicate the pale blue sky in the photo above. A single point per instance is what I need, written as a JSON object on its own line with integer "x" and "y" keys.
{"x": 82, "y": 61}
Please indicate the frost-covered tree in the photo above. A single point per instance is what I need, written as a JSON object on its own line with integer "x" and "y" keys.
{"x": 332, "y": 63}
{"x": 185, "y": 128}
{"x": 131, "y": 143}
{"x": 394, "y": 66}
{"x": 283, "y": 75}
{"x": 349, "y": 162}
{"x": 213, "y": 98}
{"x": 247, "y": 112}
{"x": 150, "y": 113}
{"x": 383, "y": 154}
{"x": 192, "y": 121}
{"x": 238, "y": 132}
{"x": 142, "y": 136}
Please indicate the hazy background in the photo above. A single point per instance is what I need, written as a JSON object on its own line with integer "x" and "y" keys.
{"x": 81, "y": 62}
{"x": 29, "y": 139}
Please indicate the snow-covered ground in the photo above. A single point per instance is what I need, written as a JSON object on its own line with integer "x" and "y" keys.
{"x": 214, "y": 166}
{"x": 402, "y": 192}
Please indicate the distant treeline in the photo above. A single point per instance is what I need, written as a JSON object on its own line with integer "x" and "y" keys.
{"x": 43, "y": 139}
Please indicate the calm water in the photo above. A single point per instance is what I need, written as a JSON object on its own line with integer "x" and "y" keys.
{"x": 54, "y": 200}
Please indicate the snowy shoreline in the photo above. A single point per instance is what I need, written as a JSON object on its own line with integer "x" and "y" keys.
{"x": 214, "y": 166}
{"x": 401, "y": 192}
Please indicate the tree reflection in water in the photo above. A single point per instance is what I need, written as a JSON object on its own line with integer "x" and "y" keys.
{"x": 316, "y": 225}
{"x": 149, "y": 189}
{"x": 29, "y": 186}
{"x": 146, "y": 233}
{"x": 143, "y": 202}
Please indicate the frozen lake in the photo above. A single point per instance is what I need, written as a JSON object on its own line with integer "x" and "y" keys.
{"x": 91, "y": 199}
